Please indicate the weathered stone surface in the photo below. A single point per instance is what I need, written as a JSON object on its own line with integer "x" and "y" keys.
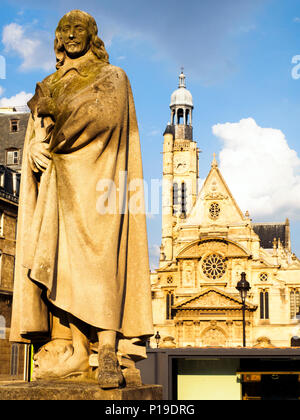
{"x": 82, "y": 136}
{"x": 76, "y": 391}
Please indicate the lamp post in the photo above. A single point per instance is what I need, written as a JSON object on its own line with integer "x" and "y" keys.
{"x": 157, "y": 338}
{"x": 243, "y": 287}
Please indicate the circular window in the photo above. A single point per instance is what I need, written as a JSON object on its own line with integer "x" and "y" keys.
{"x": 214, "y": 266}
{"x": 170, "y": 280}
{"x": 214, "y": 211}
{"x": 263, "y": 277}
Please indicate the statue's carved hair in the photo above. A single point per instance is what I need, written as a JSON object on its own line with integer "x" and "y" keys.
{"x": 96, "y": 44}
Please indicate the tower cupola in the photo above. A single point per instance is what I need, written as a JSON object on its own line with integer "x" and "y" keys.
{"x": 182, "y": 111}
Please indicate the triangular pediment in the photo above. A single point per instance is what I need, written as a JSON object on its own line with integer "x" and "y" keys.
{"x": 213, "y": 299}
{"x": 215, "y": 204}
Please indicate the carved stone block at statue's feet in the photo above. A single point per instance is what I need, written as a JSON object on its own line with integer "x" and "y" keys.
{"x": 109, "y": 372}
{"x": 57, "y": 360}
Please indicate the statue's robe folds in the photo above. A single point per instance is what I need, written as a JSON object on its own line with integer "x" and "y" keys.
{"x": 90, "y": 264}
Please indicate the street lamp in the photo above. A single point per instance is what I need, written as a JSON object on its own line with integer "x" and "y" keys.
{"x": 243, "y": 287}
{"x": 157, "y": 338}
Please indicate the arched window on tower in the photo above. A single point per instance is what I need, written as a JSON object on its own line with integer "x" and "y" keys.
{"x": 180, "y": 116}
{"x": 175, "y": 197}
{"x": 183, "y": 198}
{"x": 187, "y": 117}
{"x": 173, "y": 117}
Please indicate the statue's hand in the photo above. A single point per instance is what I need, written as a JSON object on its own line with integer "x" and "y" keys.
{"x": 39, "y": 156}
{"x": 46, "y": 107}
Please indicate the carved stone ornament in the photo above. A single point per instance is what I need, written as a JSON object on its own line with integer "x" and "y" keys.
{"x": 215, "y": 196}
{"x": 220, "y": 246}
{"x": 188, "y": 274}
{"x": 214, "y": 337}
{"x": 263, "y": 342}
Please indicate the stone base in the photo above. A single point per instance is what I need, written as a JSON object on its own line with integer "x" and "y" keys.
{"x": 76, "y": 391}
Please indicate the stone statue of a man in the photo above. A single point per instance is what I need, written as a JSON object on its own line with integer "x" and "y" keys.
{"x": 82, "y": 274}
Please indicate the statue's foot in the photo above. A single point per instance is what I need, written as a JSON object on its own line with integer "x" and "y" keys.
{"x": 109, "y": 372}
{"x": 58, "y": 360}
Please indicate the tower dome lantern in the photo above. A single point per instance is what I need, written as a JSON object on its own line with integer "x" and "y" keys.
{"x": 182, "y": 110}
{"x": 182, "y": 80}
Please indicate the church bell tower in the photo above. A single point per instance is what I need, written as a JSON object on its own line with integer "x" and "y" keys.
{"x": 180, "y": 167}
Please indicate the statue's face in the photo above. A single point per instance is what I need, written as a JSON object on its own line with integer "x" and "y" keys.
{"x": 75, "y": 36}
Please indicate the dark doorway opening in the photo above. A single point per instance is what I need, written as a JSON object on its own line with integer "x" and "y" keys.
{"x": 279, "y": 387}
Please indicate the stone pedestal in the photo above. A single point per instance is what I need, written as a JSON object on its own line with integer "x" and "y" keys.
{"x": 76, "y": 391}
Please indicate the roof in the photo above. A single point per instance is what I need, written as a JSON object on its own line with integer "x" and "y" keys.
{"x": 15, "y": 110}
{"x": 170, "y": 130}
{"x": 182, "y": 96}
{"x": 268, "y": 231}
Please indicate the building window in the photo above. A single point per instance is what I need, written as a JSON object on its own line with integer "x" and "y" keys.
{"x": 214, "y": 267}
{"x": 214, "y": 211}
{"x": 14, "y": 126}
{"x": 180, "y": 116}
{"x": 170, "y": 280}
{"x": 175, "y": 198}
{"x": 14, "y": 360}
{"x": 294, "y": 303}
{"x": 263, "y": 277}
{"x": 169, "y": 304}
{"x": 2, "y": 328}
{"x": 12, "y": 157}
{"x": 1, "y": 226}
{"x": 2, "y": 179}
{"x": 1, "y": 277}
{"x": 264, "y": 305}
{"x": 183, "y": 198}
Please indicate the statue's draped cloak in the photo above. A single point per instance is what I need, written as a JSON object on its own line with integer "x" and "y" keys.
{"x": 92, "y": 265}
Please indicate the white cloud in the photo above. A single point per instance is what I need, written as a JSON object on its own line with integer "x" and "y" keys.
{"x": 154, "y": 254}
{"x": 150, "y": 216}
{"x": 34, "y": 48}
{"x": 154, "y": 133}
{"x": 261, "y": 170}
{"x": 1, "y": 90}
{"x": 20, "y": 99}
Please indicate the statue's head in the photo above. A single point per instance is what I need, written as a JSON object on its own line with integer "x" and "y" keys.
{"x": 76, "y": 34}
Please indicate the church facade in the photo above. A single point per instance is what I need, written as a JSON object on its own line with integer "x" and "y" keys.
{"x": 207, "y": 243}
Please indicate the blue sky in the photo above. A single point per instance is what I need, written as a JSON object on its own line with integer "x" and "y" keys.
{"x": 237, "y": 57}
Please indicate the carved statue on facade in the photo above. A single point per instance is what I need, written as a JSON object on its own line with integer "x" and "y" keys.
{"x": 82, "y": 271}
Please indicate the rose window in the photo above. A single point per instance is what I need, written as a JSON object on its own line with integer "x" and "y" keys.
{"x": 214, "y": 266}
{"x": 214, "y": 211}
